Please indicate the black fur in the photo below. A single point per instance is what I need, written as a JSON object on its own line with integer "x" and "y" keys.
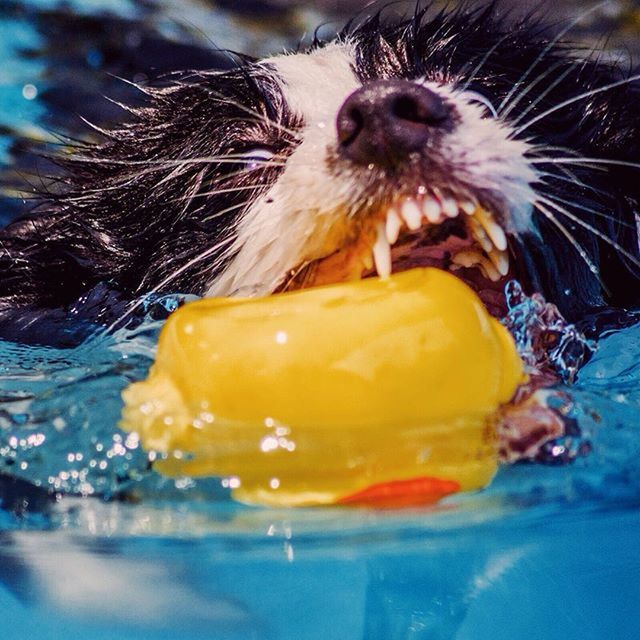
{"x": 606, "y": 125}
{"x": 131, "y": 209}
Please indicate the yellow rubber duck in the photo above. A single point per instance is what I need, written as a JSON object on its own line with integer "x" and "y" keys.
{"x": 374, "y": 392}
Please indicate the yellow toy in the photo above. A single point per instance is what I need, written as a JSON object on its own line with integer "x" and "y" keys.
{"x": 375, "y": 392}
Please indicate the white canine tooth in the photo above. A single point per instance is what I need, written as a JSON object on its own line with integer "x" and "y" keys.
{"x": 449, "y": 207}
{"x": 503, "y": 264}
{"x": 500, "y": 260}
{"x": 468, "y": 207}
{"x": 382, "y": 252}
{"x": 493, "y": 229}
{"x": 432, "y": 210}
{"x": 394, "y": 223}
{"x": 498, "y": 236}
{"x": 412, "y": 215}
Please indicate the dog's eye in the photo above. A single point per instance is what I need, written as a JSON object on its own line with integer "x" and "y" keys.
{"x": 256, "y": 158}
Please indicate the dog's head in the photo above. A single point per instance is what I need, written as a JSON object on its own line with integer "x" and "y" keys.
{"x": 457, "y": 140}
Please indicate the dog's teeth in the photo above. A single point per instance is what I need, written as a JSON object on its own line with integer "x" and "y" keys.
{"x": 382, "y": 252}
{"x": 493, "y": 229}
{"x": 467, "y": 258}
{"x": 468, "y": 207}
{"x": 498, "y": 236}
{"x": 480, "y": 235}
{"x": 484, "y": 241}
{"x": 470, "y": 258}
{"x": 412, "y": 215}
{"x": 483, "y": 271}
{"x": 500, "y": 260}
{"x": 449, "y": 207}
{"x": 489, "y": 270}
{"x": 394, "y": 223}
{"x": 432, "y": 210}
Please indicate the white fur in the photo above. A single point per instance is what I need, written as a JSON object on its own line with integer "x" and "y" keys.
{"x": 483, "y": 154}
{"x": 301, "y": 217}
{"x": 284, "y": 226}
{"x": 316, "y": 84}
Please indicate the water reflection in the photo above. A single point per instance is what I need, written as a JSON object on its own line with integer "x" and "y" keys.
{"x": 557, "y": 577}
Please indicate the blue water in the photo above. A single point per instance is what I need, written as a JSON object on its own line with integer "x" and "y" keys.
{"x": 547, "y": 551}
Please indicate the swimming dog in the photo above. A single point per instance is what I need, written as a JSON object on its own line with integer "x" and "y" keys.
{"x": 457, "y": 140}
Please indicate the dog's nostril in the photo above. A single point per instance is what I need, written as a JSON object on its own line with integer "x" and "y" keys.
{"x": 386, "y": 121}
{"x": 421, "y": 108}
{"x": 350, "y": 124}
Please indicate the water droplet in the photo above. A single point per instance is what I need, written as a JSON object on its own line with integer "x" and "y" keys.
{"x": 29, "y": 92}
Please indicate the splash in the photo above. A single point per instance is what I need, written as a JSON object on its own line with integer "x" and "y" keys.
{"x": 59, "y": 408}
{"x": 547, "y": 343}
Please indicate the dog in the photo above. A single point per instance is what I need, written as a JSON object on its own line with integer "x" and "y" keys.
{"x": 458, "y": 140}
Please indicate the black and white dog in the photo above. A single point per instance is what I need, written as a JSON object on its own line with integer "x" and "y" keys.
{"x": 454, "y": 140}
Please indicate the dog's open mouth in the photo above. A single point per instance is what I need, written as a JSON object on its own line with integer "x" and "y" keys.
{"x": 428, "y": 230}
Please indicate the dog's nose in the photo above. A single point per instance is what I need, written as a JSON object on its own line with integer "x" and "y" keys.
{"x": 385, "y": 121}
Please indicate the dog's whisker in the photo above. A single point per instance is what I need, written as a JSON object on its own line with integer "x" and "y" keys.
{"x": 545, "y": 177}
{"x": 219, "y": 192}
{"x": 545, "y": 52}
{"x": 541, "y": 97}
{"x": 567, "y": 234}
{"x": 483, "y": 61}
{"x": 219, "y": 214}
{"x": 260, "y": 116}
{"x": 531, "y": 85}
{"x": 474, "y": 96}
{"x": 545, "y": 148}
{"x": 595, "y": 212}
{"x": 570, "y": 101}
{"x": 168, "y": 162}
{"x": 570, "y": 174}
{"x": 603, "y": 236}
{"x": 170, "y": 278}
{"x": 587, "y": 162}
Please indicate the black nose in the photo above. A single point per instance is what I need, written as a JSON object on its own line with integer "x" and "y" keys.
{"x": 385, "y": 121}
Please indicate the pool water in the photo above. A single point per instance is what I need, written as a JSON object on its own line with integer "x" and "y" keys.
{"x": 94, "y": 544}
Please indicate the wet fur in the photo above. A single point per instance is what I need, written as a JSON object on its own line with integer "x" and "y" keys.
{"x": 132, "y": 212}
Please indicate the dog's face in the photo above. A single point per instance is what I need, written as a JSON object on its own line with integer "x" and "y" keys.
{"x": 457, "y": 142}
{"x": 383, "y": 173}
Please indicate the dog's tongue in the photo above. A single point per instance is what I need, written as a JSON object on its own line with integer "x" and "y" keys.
{"x": 376, "y": 392}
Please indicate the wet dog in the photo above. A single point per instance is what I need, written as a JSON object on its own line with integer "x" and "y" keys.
{"x": 455, "y": 140}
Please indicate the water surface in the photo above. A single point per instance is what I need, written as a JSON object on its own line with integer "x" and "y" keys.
{"x": 96, "y": 544}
